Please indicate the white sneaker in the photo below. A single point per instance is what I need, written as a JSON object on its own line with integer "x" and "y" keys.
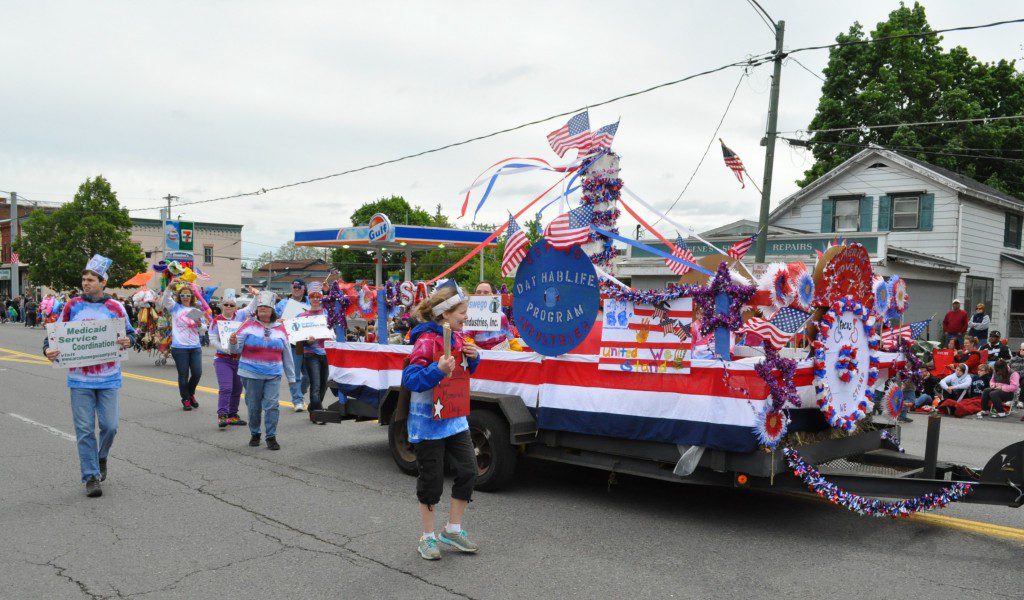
{"x": 980, "y": 415}
{"x": 1019, "y": 404}
{"x": 299, "y": 408}
{"x": 1001, "y": 415}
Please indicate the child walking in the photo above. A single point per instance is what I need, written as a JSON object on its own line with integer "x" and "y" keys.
{"x": 264, "y": 355}
{"x": 437, "y": 415}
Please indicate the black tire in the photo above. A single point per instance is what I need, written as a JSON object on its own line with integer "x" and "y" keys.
{"x": 401, "y": 450}
{"x": 495, "y": 456}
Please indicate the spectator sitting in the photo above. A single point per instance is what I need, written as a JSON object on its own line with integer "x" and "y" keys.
{"x": 956, "y": 385}
{"x": 980, "y": 382}
{"x": 969, "y": 355}
{"x": 1003, "y": 386}
{"x": 997, "y": 350}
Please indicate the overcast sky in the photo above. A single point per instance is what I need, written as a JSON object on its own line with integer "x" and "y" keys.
{"x": 205, "y": 99}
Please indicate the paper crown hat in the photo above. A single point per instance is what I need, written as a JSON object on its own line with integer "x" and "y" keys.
{"x": 229, "y": 294}
{"x": 316, "y": 287}
{"x": 266, "y": 299}
{"x": 99, "y": 265}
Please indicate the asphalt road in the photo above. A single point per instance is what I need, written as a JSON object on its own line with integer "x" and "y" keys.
{"x": 190, "y": 511}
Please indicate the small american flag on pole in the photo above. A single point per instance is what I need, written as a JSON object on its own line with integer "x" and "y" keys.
{"x": 571, "y": 228}
{"x": 15, "y": 258}
{"x": 574, "y": 134}
{"x": 681, "y": 251}
{"x": 604, "y": 136}
{"x": 516, "y": 247}
{"x": 908, "y": 332}
{"x": 739, "y": 249}
{"x": 778, "y": 329}
{"x": 733, "y": 162}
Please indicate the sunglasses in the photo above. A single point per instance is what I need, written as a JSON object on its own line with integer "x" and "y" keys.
{"x": 296, "y": 286}
{"x": 228, "y": 305}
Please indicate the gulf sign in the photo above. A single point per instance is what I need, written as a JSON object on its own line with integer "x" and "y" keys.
{"x": 380, "y": 229}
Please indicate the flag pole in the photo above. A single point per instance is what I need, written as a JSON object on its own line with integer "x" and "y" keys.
{"x": 751, "y": 180}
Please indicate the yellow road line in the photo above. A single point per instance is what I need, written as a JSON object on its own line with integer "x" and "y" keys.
{"x": 25, "y": 360}
{"x": 169, "y": 382}
{"x": 989, "y": 529}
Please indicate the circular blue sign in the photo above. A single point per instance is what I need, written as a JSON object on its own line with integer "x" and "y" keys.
{"x": 555, "y": 298}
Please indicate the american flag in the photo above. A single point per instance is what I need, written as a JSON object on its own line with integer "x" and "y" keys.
{"x": 202, "y": 276}
{"x": 908, "y": 332}
{"x": 571, "y": 228}
{"x": 574, "y": 134}
{"x": 15, "y": 259}
{"x": 516, "y": 247}
{"x": 604, "y": 136}
{"x": 779, "y": 328}
{"x": 733, "y": 162}
{"x": 681, "y": 251}
{"x": 739, "y": 249}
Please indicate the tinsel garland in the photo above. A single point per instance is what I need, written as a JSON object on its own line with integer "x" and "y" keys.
{"x": 867, "y": 506}
{"x": 704, "y": 298}
{"x": 599, "y": 189}
{"x": 913, "y": 368}
{"x": 771, "y": 425}
{"x": 672, "y": 292}
{"x": 336, "y": 303}
{"x": 846, "y": 362}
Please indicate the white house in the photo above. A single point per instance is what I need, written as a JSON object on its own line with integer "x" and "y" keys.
{"x": 946, "y": 234}
{"x": 950, "y": 235}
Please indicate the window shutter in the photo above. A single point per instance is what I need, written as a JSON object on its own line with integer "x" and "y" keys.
{"x": 926, "y": 215}
{"x": 865, "y": 213}
{"x": 827, "y": 209}
{"x": 884, "y": 213}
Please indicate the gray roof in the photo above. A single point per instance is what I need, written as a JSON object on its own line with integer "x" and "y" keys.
{"x": 971, "y": 184}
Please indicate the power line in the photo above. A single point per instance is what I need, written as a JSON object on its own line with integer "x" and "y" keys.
{"x": 749, "y": 62}
{"x": 907, "y": 149}
{"x": 890, "y": 125}
{"x": 765, "y": 13}
{"x": 905, "y": 36}
{"x": 804, "y": 67}
{"x": 707, "y": 149}
{"x": 767, "y": 22}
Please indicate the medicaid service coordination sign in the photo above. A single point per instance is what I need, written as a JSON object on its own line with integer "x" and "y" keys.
{"x": 555, "y": 298}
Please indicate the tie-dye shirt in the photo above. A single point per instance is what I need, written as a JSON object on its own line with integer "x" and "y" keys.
{"x": 264, "y": 351}
{"x": 184, "y": 329}
{"x": 103, "y": 376}
{"x": 422, "y": 375}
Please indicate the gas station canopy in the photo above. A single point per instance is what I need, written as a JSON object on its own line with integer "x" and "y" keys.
{"x": 380, "y": 236}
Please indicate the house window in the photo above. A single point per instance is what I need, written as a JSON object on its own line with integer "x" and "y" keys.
{"x": 978, "y": 291}
{"x": 207, "y": 255}
{"x": 906, "y": 212}
{"x": 1011, "y": 231}
{"x": 846, "y": 216}
{"x": 1016, "y": 314}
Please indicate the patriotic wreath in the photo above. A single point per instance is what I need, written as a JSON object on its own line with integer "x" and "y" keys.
{"x": 899, "y": 298}
{"x": 894, "y": 398}
{"x": 882, "y": 298}
{"x": 367, "y": 296}
{"x": 826, "y": 401}
{"x": 805, "y": 290}
{"x": 846, "y": 363}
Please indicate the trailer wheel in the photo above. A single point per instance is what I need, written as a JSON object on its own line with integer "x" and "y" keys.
{"x": 401, "y": 450}
{"x": 495, "y": 456}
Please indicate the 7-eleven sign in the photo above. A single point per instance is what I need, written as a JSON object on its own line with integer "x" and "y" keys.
{"x": 186, "y": 236}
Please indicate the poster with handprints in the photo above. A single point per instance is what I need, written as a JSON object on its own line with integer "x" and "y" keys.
{"x": 652, "y": 338}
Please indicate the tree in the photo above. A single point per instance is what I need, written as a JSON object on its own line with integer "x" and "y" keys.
{"x": 58, "y": 244}
{"x": 357, "y": 264}
{"x": 913, "y": 80}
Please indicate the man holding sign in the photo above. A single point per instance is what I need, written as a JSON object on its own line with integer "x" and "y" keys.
{"x": 94, "y": 384}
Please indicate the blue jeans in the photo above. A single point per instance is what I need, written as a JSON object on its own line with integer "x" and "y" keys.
{"x": 314, "y": 367}
{"x": 88, "y": 406}
{"x": 301, "y": 381}
{"x": 261, "y": 397}
{"x": 188, "y": 360}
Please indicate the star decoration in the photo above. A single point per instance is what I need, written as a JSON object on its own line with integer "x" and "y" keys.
{"x": 704, "y": 297}
{"x": 438, "y": 407}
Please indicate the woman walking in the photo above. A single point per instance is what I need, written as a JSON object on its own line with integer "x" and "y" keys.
{"x": 225, "y": 364}
{"x": 187, "y": 321}
{"x": 264, "y": 356}
{"x": 314, "y": 356}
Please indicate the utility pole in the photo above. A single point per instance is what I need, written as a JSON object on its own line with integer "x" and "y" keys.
{"x": 168, "y": 198}
{"x": 769, "y": 150}
{"x": 15, "y": 230}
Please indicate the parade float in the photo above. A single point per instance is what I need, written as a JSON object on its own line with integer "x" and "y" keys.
{"x": 698, "y": 382}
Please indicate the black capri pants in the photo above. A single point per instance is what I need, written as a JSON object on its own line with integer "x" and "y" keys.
{"x": 430, "y": 457}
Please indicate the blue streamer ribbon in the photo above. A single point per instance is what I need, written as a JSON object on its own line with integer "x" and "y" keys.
{"x": 494, "y": 179}
{"x": 652, "y": 250}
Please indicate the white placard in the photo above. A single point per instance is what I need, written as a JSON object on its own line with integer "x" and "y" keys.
{"x": 292, "y": 309}
{"x": 300, "y": 328}
{"x": 86, "y": 343}
{"x": 224, "y": 331}
{"x": 847, "y": 330}
{"x": 484, "y": 313}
